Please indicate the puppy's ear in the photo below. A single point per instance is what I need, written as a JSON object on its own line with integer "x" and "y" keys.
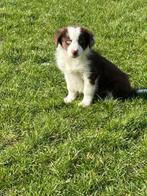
{"x": 90, "y": 36}
{"x": 58, "y": 35}
{"x": 92, "y": 40}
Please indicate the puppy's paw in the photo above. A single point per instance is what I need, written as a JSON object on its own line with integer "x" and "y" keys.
{"x": 84, "y": 103}
{"x": 68, "y": 99}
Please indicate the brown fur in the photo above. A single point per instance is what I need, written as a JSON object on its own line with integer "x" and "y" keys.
{"x": 60, "y": 36}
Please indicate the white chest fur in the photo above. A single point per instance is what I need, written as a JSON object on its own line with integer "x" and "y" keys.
{"x": 69, "y": 64}
{"x": 74, "y": 69}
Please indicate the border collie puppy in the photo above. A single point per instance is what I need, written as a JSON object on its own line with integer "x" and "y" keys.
{"x": 85, "y": 70}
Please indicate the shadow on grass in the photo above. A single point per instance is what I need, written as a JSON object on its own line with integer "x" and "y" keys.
{"x": 138, "y": 96}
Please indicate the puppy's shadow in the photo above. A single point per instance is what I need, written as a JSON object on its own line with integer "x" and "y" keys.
{"x": 104, "y": 97}
{"x": 142, "y": 96}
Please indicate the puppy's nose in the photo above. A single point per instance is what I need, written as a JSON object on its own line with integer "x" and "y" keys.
{"x": 75, "y": 52}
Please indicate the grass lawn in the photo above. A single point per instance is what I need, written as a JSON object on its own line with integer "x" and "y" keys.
{"x": 47, "y": 147}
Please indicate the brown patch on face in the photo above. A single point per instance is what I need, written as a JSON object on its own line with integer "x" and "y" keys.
{"x": 65, "y": 41}
{"x": 61, "y": 37}
{"x": 60, "y": 33}
{"x": 86, "y": 38}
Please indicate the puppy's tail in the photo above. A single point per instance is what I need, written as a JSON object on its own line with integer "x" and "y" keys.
{"x": 139, "y": 92}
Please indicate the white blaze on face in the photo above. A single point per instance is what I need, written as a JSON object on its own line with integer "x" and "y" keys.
{"x": 74, "y": 33}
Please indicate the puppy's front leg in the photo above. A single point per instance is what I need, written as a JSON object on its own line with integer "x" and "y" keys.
{"x": 89, "y": 91}
{"x": 72, "y": 94}
{"x": 70, "y": 97}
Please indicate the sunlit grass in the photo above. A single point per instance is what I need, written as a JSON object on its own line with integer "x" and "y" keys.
{"x": 47, "y": 147}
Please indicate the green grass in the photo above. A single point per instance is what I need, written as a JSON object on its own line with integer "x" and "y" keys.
{"x": 47, "y": 147}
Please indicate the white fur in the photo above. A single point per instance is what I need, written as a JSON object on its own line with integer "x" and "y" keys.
{"x": 74, "y": 36}
{"x": 76, "y": 70}
{"x": 140, "y": 91}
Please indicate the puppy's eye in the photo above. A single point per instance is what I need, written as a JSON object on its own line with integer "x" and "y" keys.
{"x": 81, "y": 42}
{"x": 68, "y": 42}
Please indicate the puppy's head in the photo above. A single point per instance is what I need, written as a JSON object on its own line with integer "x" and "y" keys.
{"x": 74, "y": 40}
